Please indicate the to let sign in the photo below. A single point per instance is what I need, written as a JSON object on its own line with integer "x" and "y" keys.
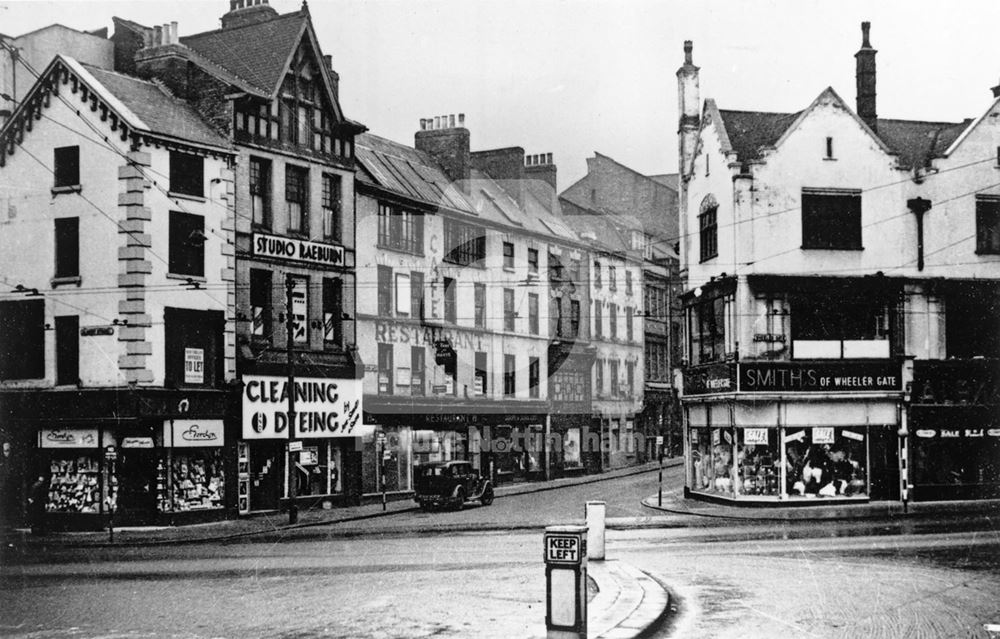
{"x": 562, "y": 549}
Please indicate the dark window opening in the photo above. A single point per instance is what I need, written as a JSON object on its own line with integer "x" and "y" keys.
{"x": 972, "y": 323}
{"x": 333, "y": 311}
{"x": 534, "y": 368}
{"x": 187, "y": 174}
{"x": 400, "y": 230}
{"x": 508, "y": 309}
{"x": 67, "y": 166}
{"x": 480, "y": 374}
{"x": 839, "y": 317}
{"x": 829, "y": 148}
{"x": 574, "y": 318}
{"x": 508, "y": 255}
{"x": 417, "y": 365}
{"x": 22, "y": 340}
{"x": 296, "y": 198}
{"x": 450, "y": 302}
{"x": 260, "y": 304}
{"x": 533, "y": 261}
{"x": 194, "y": 347}
{"x": 187, "y": 244}
{"x": 463, "y": 244}
{"x": 988, "y": 226}
{"x": 479, "y": 293}
{"x": 68, "y": 349}
{"x": 708, "y": 235}
{"x": 831, "y": 221}
{"x": 385, "y": 291}
{"x": 385, "y": 369}
{"x": 416, "y": 295}
{"x": 260, "y": 192}
{"x": 331, "y": 207}
{"x": 67, "y": 247}
{"x": 533, "y": 313}
{"x": 509, "y": 376}
{"x": 706, "y": 331}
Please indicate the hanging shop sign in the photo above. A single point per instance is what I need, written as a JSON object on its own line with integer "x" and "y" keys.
{"x": 67, "y": 438}
{"x": 323, "y": 407}
{"x": 713, "y": 378}
{"x": 826, "y": 377}
{"x": 193, "y": 433}
{"x": 822, "y": 435}
{"x": 296, "y": 250}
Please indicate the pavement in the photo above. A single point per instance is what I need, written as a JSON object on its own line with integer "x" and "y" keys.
{"x": 629, "y": 601}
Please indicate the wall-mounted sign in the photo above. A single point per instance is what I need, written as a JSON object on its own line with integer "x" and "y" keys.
{"x": 300, "y": 310}
{"x": 826, "y": 377}
{"x": 713, "y": 378}
{"x": 957, "y": 433}
{"x": 194, "y": 366}
{"x": 769, "y": 337}
{"x": 192, "y": 433}
{"x": 296, "y": 250}
{"x": 137, "y": 442}
{"x": 93, "y": 331}
{"x": 388, "y": 332}
{"x": 67, "y": 438}
{"x": 323, "y": 407}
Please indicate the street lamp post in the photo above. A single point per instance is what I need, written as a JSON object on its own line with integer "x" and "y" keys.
{"x": 293, "y": 507}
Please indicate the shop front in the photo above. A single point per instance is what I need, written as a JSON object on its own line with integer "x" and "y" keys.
{"x": 145, "y": 457}
{"x": 313, "y": 458}
{"x": 954, "y": 430}
{"x": 792, "y": 432}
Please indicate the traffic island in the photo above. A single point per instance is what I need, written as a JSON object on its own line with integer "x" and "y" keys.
{"x": 629, "y": 603}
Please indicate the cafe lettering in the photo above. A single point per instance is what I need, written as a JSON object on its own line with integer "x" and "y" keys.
{"x": 323, "y": 408}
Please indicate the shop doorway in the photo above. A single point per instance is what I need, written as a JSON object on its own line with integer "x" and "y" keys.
{"x": 266, "y": 476}
{"x": 137, "y": 485}
{"x": 884, "y": 453}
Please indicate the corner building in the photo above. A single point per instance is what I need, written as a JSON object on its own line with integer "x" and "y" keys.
{"x": 842, "y": 287}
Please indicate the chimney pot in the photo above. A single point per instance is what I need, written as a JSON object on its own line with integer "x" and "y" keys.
{"x": 232, "y": 5}
{"x": 996, "y": 91}
{"x": 461, "y": 119}
{"x": 451, "y": 121}
{"x": 865, "y": 77}
{"x": 865, "y": 28}
{"x": 548, "y": 159}
{"x": 423, "y": 124}
{"x": 157, "y": 36}
{"x": 688, "y": 46}
{"x": 173, "y": 32}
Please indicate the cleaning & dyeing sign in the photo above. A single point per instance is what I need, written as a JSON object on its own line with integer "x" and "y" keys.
{"x": 323, "y": 407}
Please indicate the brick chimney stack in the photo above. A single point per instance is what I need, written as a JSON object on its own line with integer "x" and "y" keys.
{"x": 447, "y": 141}
{"x": 865, "y": 76}
{"x": 244, "y": 12}
{"x": 540, "y": 167}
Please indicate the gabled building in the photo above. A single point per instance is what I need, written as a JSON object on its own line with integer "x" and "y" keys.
{"x": 116, "y": 274}
{"x": 835, "y": 260}
{"x": 264, "y": 82}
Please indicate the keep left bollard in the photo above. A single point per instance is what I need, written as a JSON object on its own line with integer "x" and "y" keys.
{"x": 566, "y": 582}
{"x": 595, "y": 529}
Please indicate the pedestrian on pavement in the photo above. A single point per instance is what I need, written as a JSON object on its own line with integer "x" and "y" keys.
{"x": 38, "y": 496}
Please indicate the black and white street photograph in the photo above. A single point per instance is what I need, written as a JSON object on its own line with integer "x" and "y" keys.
{"x": 502, "y": 319}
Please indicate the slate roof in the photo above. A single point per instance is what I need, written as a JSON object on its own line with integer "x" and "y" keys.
{"x": 408, "y": 172}
{"x": 914, "y": 141}
{"x": 156, "y": 108}
{"x": 256, "y": 53}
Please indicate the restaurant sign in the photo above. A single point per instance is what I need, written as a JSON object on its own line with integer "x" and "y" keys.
{"x": 296, "y": 250}
{"x": 825, "y": 377}
{"x": 323, "y": 408}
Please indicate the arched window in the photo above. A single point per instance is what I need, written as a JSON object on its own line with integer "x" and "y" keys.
{"x": 708, "y": 226}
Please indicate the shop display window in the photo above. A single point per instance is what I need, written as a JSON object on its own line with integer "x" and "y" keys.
{"x": 74, "y": 484}
{"x": 571, "y": 449}
{"x": 434, "y": 445}
{"x": 196, "y": 480}
{"x": 826, "y": 462}
{"x": 319, "y": 469}
{"x": 712, "y": 460}
{"x": 758, "y": 462}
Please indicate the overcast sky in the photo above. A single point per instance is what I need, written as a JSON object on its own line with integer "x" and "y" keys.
{"x": 574, "y": 77}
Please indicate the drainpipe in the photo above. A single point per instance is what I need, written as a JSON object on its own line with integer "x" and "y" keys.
{"x": 918, "y": 206}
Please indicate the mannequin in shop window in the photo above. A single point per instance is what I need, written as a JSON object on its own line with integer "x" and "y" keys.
{"x": 723, "y": 469}
{"x": 817, "y": 473}
{"x": 794, "y": 463}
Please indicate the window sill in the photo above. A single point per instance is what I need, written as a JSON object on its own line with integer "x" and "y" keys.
{"x": 988, "y": 253}
{"x": 829, "y": 159}
{"x": 180, "y": 276}
{"x": 509, "y": 269}
{"x": 832, "y": 248}
{"x": 65, "y": 281}
{"x": 72, "y": 188}
{"x": 186, "y": 196}
{"x": 386, "y": 247}
{"x": 708, "y": 258}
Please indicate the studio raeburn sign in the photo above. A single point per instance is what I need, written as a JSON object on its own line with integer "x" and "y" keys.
{"x": 323, "y": 408}
{"x": 296, "y": 250}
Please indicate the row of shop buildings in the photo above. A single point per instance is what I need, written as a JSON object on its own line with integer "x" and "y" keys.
{"x": 191, "y": 228}
{"x": 842, "y": 306}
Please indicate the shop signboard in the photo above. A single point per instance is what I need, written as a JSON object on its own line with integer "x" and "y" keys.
{"x": 819, "y": 377}
{"x": 323, "y": 407}
{"x": 296, "y": 250}
{"x": 711, "y": 378}
{"x": 67, "y": 438}
{"x": 137, "y": 442}
{"x": 956, "y": 433}
{"x": 956, "y": 383}
{"x": 193, "y": 433}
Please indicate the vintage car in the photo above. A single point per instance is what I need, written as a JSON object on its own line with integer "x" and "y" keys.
{"x": 451, "y": 483}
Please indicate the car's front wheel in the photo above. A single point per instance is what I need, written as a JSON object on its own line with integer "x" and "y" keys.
{"x": 459, "y": 498}
{"x": 487, "y": 497}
